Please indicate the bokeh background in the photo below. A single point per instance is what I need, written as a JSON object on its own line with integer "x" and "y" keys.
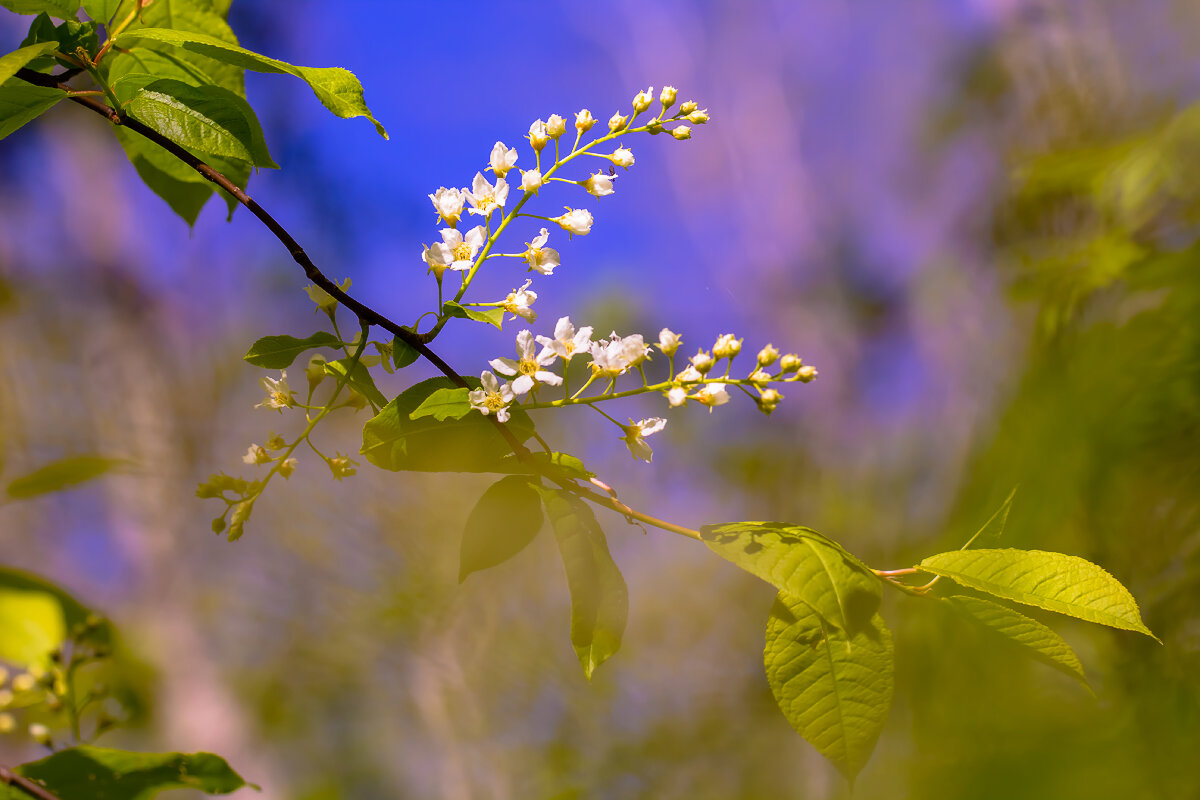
{"x": 978, "y": 219}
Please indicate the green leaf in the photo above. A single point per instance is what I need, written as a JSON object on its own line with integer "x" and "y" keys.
{"x": 360, "y": 379}
{"x": 565, "y": 463}
{"x": 1053, "y": 581}
{"x": 835, "y": 690}
{"x": 599, "y": 597}
{"x": 403, "y": 353}
{"x": 22, "y": 102}
{"x": 11, "y": 62}
{"x": 204, "y": 119}
{"x": 195, "y": 16}
{"x": 59, "y": 475}
{"x": 393, "y": 441}
{"x": 336, "y": 88}
{"x": 101, "y": 10}
{"x": 278, "y": 352}
{"x": 36, "y": 617}
{"x": 503, "y": 522}
{"x": 70, "y": 35}
{"x": 1032, "y": 637}
{"x": 492, "y": 316}
{"x": 994, "y": 527}
{"x": 62, "y": 9}
{"x": 804, "y": 564}
{"x": 453, "y": 403}
{"x": 98, "y": 773}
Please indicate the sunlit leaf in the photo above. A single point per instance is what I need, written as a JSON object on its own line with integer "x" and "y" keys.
{"x": 11, "y": 62}
{"x": 599, "y": 597}
{"x": 59, "y": 475}
{"x": 97, "y": 773}
{"x": 22, "y": 102}
{"x": 359, "y": 379}
{"x": 336, "y": 88}
{"x": 278, "y": 352}
{"x": 1032, "y": 637}
{"x": 1056, "y": 582}
{"x": 62, "y": 9}
{"x": 492, "y": 316}
{"x": 562, "y": 463}
{"x": 804, "y": 564}
{"x": 835, "y": 690}
{"x": 503, "y": 522}
{"x": 403, "y": 353}
{"x": 31, "y": 625}
{"x": 443, "y": 404}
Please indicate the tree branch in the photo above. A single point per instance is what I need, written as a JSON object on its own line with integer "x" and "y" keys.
{"x": 10, "y": 778}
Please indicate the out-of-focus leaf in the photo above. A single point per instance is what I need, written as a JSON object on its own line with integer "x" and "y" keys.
{"x": 59, "y": 475}
{"x": 62, "y": 9}
{"x": 599, "y": 597}
{"x": 336, "y": 88}
{"x": 393, "y": 441}
{"x": 993, "y": 529}
{"x": 564, "y": 463}
{"x": 1034, "y": 638}
{"x": 503, "y": 522}
{"x": 22, "y": 102}
{"x": 278, "y": 352}
{"x": 804, "y": 564}
{"x": 1056, "y": 582}
{"x": 97, "y": 773}
{"x": 11, "y": 62}
{"x": 36, "y": 617}
{"x": 835, "y": 690}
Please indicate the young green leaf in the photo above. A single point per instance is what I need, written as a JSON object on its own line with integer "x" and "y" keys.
{"x": 443, "y": 404}
{"x": 503, "y": 522}
{"x": 492, "y": 316}
{"x": 11, "y": 62}
{"x": 31, "y": 626}
{"x": 278, "y": 352}
{"x": 403, "y": 353}
{"x": 195, "y": 16}
{"x": 565, "y": 463}
{"x": 360, "y": 380}
{"x": 22, "y": 102}
{"x": 100, "y": 10}
{"x": 393, "y": 441}
{"x": 204, "y": 119}
{"x": 336, "y": 88}
{"x": 98, "y": 772}
{"x": 599, "y": 597}
{"x": 835, "y": 690}
{"x": 808, "y": 566}
{"x": 59, "y": 475}
{"x": 1067, "y": 584}
{"x": 61, "y": 9}
{"x": 1031, "y": 636}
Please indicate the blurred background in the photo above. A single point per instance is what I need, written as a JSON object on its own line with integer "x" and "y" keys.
{"x": 977, "y": 219}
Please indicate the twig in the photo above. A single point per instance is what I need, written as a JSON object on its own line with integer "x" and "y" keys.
{"x": 7, "y": 776}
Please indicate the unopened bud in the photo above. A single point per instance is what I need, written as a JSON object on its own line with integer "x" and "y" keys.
{"x": 688, "y": 107}
{"x": 681, "y": 132}
{"x": 642, "y": 100}
{"x": 668, "y": 341}
{"x": 617, "y": 122}
{"x": 315, "y": 371}
{"x": 790, "y": 363}
{"x": 768, "y": 356}
{"x": 667, "y": 97}
{"x": 538, "y": 136}
{"x": 768, "y": 400}
{"x": 584, "y": 121}
{"x": 806, "y": 373}
{"x": 556, "y": 126}
{"x": 703, "y": 362}
{"x": 727, "y": 346}
{"x": 622, "y": 157}
{"x": 698, "y": 117}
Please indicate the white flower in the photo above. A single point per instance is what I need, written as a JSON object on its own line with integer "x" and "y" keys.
{"x": 636, "y": 349}
{"x": 287, "y": 467}
{"x": 614, "y": 356}
{"x": 484, "y": 197}
{"x": 449, "y": 204}
{"x": 493, "y": 398}
{"x": 502, "y": 159}
{"x": 575, "y": 221}
{"x": 537, "y": 135}
{"x": 636, "y": 433}
{"x": 342, "y": 466}
{"x": 279, "y": 394}
{"x": 531, "y": 181}
{"x": 324, "y": 300}
{"x": 567, "y": 341}
{"x": 539, "y": 257}
{"x": 584, "y": 121}
{"x": 519, "y": 301}
{"x": 677, "y": 396}
{"x": 556, "y": 126}
{"x": 528, "y": 367}
{"x": 642, "y": 101}
{"x": 689, "y": 375}
{"x": 622, "y": 157}
{"x": 712, "y": 394}
{"x": 455, "y": 251}
{"x": 668, "y": 341}
{"x": 257, "y": 454}
{"x": 599, "y": 185}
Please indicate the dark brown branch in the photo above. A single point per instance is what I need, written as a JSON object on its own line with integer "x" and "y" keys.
{"x": 7, "y": 776}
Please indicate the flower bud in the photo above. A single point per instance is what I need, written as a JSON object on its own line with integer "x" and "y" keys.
{"x": 790, "y": 363}
{"x": 355, "y": 399}
{"x": 654, "y": 127}
{"x": 703, "y": 362}
{"x": 727, "y": 346}
{"x": 768, "y": 356}
{"x": 502, "y": 159}
{"x": 642, "y": 100}
{"x": 698, "y": 117}
{"x": 537, "y": 135}
{"x": 599, "y": 185}
{"x": 556, "y": 126}
{"x": 688, "y": 107}
{"x": 677, "y": 396}
{"x": 622, "y": 157}
{"x": 667, "y": 97}
{"x": 768, "y": 400}
{"x": 575, "y": 221}
{"x": 668, "y": 341}
{"x": 617, "y": 122}
{"x": 584, "y": 121}
{"x": 760, "y": 378}
{"x": 531, "y": 181}
{"x": 218, "y": 524}
{"x": 681, "y": 132}
{"x": 315, "y": 371}
{"x": 257, "y": 454}
{"x": 275, "y": 441}
{"x": 806, "y": 373}
{"x": 287, "y": 467}
{"x": 40, "y": 734}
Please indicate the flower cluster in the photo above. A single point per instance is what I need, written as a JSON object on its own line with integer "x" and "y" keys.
{"x": 701, "y": 381}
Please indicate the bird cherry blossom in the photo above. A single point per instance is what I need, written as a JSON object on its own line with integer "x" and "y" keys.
{"x": 493, "y": 398}
{"x": 528, "y": 367}
{"x": 575, "y": 221}
{"x": 449, "y": 204}
{"x": 519, "y": 301}
{"x": 539, "y": 257}
{"x": 279, "y": 394}
{"x": 455, "y": 251}
{"x": 567, "y": 342}
{"x": 599, "y": 185}
{"x": 502, "y": 159}
{"x": 485, "y": 198}
{"x": 636, "y": 433}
